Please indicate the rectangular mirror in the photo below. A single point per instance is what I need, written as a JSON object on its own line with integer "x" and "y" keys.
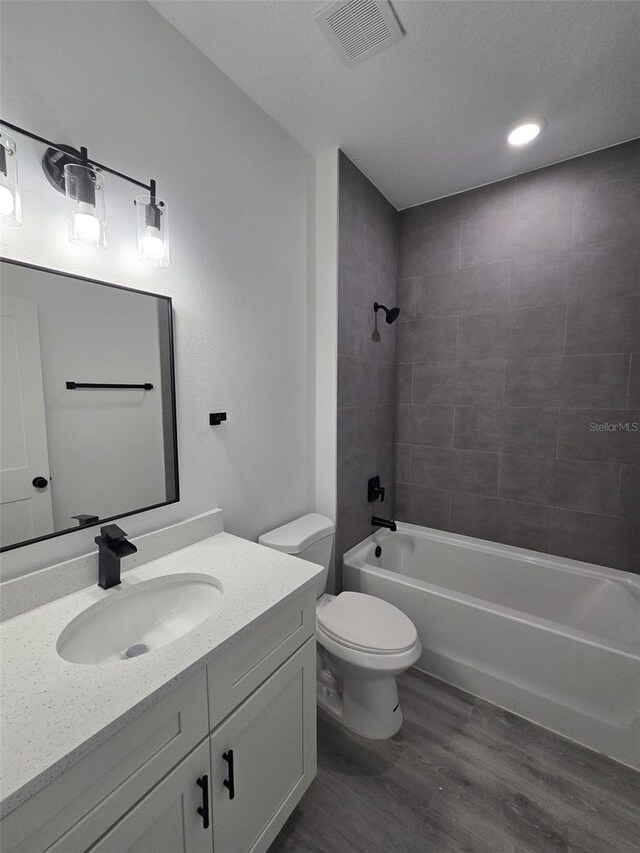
{"x": 87, "y": 403}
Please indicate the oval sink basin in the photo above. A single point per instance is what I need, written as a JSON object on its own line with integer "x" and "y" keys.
{"x": 139, "y": 619}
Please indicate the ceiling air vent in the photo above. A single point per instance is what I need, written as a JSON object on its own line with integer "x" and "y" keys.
{"x": 359, "y": 28}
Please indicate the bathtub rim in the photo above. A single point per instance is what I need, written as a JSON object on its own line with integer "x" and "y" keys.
{"x": 355, "y": 559}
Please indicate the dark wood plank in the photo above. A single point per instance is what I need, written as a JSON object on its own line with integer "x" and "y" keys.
{"x": 462, "y": 776}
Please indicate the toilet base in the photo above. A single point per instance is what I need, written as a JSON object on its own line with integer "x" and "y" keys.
{"x": 378, "y": 721}
{"x": 364, "y": 701}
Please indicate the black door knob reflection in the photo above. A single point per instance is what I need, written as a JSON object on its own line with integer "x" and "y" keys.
{"x": 40, "y": 482}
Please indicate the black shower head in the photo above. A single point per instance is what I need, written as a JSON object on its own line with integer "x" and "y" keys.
{"x": 391, "y": 313}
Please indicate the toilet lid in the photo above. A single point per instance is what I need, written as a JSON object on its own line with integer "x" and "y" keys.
{"x": 367, "y": 623}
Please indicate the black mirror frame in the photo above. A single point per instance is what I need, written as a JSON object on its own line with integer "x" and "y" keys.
{"x": 174, "y": 419}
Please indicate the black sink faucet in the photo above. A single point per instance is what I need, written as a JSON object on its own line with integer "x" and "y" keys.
{"x": 383, "y": 522}
{"x": 112, "y": 547}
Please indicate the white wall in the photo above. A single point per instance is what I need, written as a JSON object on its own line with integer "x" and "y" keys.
{"x": 119, "y": 79}
{"x": 106, "y": 451}
{"x": 326, "y": 310}
{"x": 326, "y": 339}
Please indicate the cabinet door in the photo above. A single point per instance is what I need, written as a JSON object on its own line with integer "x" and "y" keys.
{"x": 77, "y": 808}
{"x": 267, "y": 747}
{"x": 167, "y": 819}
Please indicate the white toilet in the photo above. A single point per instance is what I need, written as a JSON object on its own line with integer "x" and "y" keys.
{"x": 363, "y": 641}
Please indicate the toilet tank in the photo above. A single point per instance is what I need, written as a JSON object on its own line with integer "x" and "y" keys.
{"x": 310, "y": 538}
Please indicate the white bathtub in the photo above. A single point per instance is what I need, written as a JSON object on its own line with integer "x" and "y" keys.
{"x": 551, "y": 639}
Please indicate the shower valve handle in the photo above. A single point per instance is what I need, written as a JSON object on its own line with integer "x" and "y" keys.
{"x": 375, "y": 490}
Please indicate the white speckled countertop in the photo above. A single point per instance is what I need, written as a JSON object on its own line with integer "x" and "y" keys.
{"x": 54, "y": 712}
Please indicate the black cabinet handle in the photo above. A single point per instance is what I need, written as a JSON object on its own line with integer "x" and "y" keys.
{"x": 230, "y": 783}
{"x": 203, "y": 810}
{"x": 40, "y": 482}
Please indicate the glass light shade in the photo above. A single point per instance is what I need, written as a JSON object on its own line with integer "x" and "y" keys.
{"x": 153, "y": 231}
{"x": 84, "y": 188}
{"x": 10, "y": 207}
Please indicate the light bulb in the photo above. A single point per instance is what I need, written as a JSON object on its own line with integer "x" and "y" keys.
{"x": 7, "y": 203}
{"x": 524, "y": 133}
{"x": 153, "y": 233}
{"x": 86, "y": 227}
{"x": 84, "y": 189}
{"x": 152, "y": 244}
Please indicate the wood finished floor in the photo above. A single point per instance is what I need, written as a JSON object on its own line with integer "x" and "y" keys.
{"x": 462, "y": 776}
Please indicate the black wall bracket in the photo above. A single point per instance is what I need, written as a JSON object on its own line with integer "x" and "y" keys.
{"x": 216, "y": 418}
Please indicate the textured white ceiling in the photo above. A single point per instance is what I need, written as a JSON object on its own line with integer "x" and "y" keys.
{"x": 427, "y": 117}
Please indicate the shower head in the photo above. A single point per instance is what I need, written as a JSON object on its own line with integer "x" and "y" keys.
{"x": 391, "y": 313}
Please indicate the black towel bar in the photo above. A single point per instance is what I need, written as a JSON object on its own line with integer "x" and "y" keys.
{"x": 72, "y": 386}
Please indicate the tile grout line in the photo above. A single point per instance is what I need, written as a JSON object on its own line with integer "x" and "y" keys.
{"x": 573, "y": 216}
{"x": 453, "y": 428}
{"x": 621, "y": 466}
{"x": 531, "y": 503}
{"x": 410, "y": 478}
{"x": 504, "y": 384}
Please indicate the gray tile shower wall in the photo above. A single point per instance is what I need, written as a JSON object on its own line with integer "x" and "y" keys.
{"x": 367, "y": 244}
{"x": 518, "y": 361}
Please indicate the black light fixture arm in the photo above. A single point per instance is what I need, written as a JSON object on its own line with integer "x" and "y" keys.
{"x": 153, "y": 211}
{"x": 85, "y": 159}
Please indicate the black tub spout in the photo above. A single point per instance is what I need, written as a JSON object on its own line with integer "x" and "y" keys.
{"x": 383, "y": 522}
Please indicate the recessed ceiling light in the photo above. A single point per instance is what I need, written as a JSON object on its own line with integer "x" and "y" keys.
{"x": 525, "y": 131}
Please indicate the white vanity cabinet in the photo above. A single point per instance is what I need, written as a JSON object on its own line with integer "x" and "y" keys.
{"x": 264, "y": 756}
{"x": 216, "y": 766}
{"x": 167, "y": 819}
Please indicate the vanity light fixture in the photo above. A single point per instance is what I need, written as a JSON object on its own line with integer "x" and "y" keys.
{"x": 71, "y": 172}
{"x": 153, "y": 229}
{"x": 10, "y": 208}
{"x": 81, "y": 180}
{"x": 525, "y": 131}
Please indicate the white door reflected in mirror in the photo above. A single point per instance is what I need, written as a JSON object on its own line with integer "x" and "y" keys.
{"x": 25, "y": 510}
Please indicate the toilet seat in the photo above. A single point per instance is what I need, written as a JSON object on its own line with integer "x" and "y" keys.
{"x": 368, "y": 624}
